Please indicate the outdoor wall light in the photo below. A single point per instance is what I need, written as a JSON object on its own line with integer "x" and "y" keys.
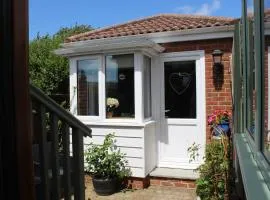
{"x": 218, "y": 69}
{"x": 217, "y": 56}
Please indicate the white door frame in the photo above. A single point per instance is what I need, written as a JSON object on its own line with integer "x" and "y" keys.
{"x": 199, "y": 57}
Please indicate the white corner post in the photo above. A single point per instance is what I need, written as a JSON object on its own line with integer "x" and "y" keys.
{"x": 138, "y": 86}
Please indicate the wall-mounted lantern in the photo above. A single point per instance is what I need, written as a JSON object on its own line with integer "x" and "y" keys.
{"x": 217, "y": 56}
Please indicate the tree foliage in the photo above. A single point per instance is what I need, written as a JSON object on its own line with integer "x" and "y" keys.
{"x": 48, "y": 71}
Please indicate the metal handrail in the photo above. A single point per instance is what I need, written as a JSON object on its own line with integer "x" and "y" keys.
{"x": 61, "y": 112}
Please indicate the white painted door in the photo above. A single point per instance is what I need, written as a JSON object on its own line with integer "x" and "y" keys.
{"x": 182, "y": 108}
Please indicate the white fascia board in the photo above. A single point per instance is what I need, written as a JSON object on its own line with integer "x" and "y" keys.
{"x": 193, "y": 34}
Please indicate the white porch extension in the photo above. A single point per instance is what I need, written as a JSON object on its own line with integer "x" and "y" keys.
{"x": 153, "y": 117}
{"x": 133, "y": 140}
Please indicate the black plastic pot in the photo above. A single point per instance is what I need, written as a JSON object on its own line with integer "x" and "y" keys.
{"x": 105, "y": 186}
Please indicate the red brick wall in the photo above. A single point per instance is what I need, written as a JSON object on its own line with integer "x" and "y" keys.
{"x": 216, "y": 98}
{"x": 82, "y": 95}
{"x": 181, "y": 183}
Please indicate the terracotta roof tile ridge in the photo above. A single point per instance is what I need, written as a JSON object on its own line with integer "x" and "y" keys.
{"x": 194, "y": 16}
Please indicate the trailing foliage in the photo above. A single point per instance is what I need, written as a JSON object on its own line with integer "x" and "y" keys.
{"x": 106, "y": 160}
{"x": 48, "y": 71}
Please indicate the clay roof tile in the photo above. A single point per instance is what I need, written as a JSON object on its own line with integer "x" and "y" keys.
{"x": 158, "y": 23}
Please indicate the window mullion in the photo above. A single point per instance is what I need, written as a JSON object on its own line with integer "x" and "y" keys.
{"x": 245, "y": 62}
{"x": 138, "y": 86}
{"x": 73, "y": 86}
{"x": 102, "y": 91}
{"x": 259, "y": 55}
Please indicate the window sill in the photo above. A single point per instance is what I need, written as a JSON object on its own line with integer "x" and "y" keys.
{"x": 253, "y": 180}
{"x": 108, "y": 122}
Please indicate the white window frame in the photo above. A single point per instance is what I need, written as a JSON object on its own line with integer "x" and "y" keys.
{"x": 138, "y": 89}
{"x": 121, "y": 120}
{"x": 74, "y": 86}
{"x": 151, "y": 76}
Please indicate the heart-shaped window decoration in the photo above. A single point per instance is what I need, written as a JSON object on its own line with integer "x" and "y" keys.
{"x": 180, "y": 82}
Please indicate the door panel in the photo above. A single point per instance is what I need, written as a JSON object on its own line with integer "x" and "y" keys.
{"x": 183, "y": 107}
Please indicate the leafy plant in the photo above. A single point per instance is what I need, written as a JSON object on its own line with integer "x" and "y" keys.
{"x": 193, "y": 151}
{"x": 106, "y": 160}
{"x": 215, "y": 180}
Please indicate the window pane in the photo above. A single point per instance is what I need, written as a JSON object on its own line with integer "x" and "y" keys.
{"x": 87, "y": 71}
{"x": 266, "y": 107}
{"x": 180, "y": 89}
{"x": 251, "y": 92}
{"x": 147, "y": 87}
{"x": 120, "y": 86}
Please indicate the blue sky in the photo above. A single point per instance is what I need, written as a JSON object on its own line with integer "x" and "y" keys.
{"x": 47, "y": 16}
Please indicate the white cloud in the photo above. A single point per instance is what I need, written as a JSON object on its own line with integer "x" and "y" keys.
{"x": 184, "y": 9}
{"x": 204, "y": 9}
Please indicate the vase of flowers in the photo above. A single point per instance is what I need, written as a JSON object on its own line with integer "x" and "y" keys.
{"x": 220, "y": 122}
{"x": 112, "y": 104}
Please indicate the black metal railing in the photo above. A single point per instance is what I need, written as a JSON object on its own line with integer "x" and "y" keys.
{"x": 57, "y": 149}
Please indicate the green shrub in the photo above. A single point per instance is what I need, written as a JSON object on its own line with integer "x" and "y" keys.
{"x": 214, "y": 180}
{"x": 106, "y": 160}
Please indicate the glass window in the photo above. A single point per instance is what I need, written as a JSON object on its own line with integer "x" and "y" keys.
{"x": 180, "y": 89}
{"x": 147, "y": 87}
{"x": 120, "y": 86}
{"x": 87, "y": 83}
{"x": 266, "y": 91}
{"x": 251, "y": 92}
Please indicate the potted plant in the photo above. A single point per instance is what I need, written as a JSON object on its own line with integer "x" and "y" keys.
{"x": 112, "y": 104}
{"x": 220, "y": 122}
{"x": 107, "y": 165}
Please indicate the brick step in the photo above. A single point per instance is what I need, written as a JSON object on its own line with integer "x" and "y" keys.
{"x": 172, "y": 182}
{"x": 141, "y": 183}
{"x": 174, "y": 177}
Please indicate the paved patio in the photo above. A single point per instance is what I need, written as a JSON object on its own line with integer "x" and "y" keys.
{"x": 151, "y": 193}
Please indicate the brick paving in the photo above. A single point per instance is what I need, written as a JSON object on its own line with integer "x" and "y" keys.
{"x": 151, "y": 193}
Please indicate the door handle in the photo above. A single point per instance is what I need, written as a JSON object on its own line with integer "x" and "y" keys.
{"x": 166, "y": 111}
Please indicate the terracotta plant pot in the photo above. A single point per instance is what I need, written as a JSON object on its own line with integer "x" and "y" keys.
{"x": 109, "y": 114}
